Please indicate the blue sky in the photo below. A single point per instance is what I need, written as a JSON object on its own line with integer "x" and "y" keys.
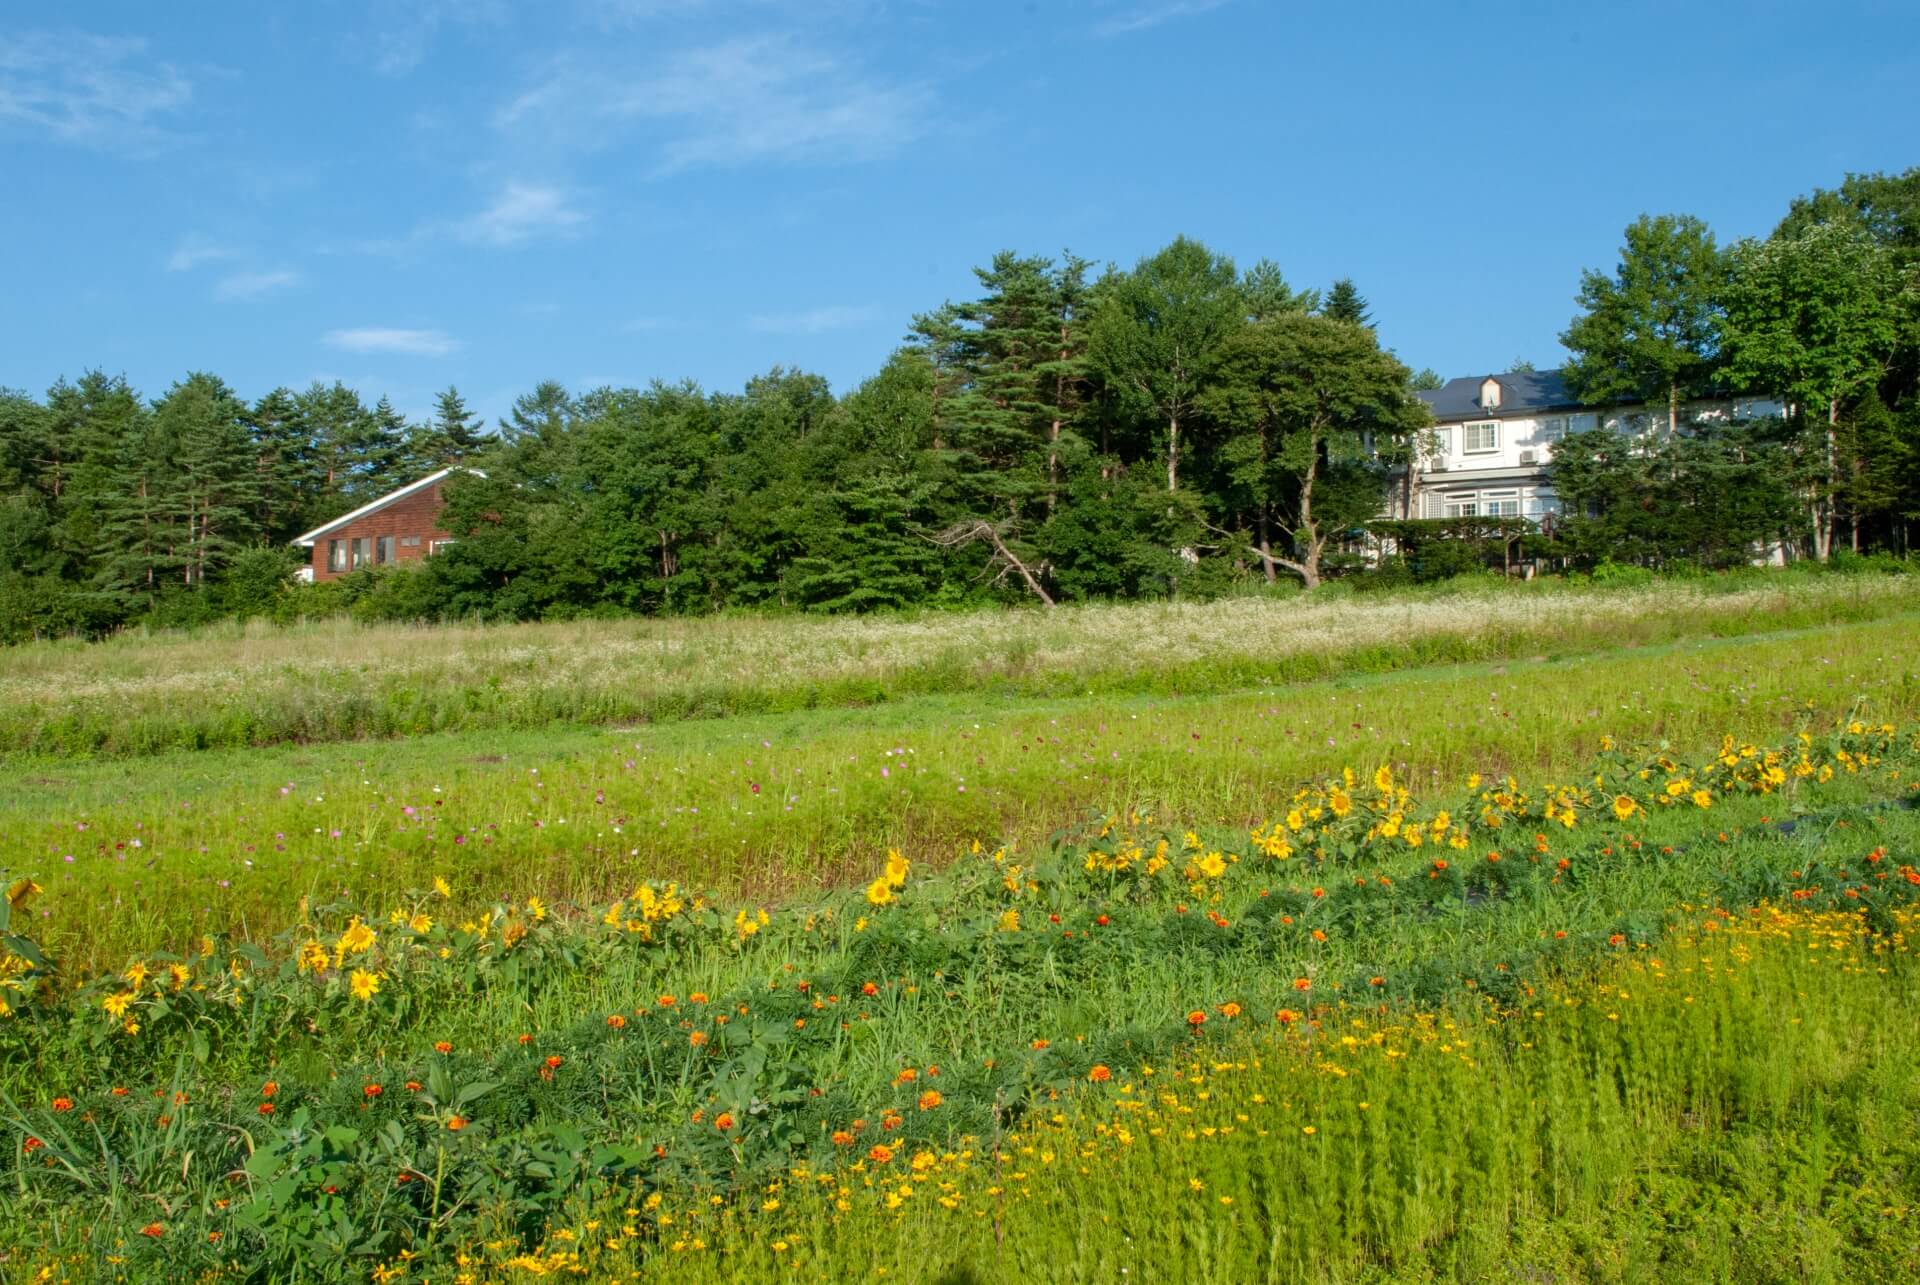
{"x": 410, "y": 193}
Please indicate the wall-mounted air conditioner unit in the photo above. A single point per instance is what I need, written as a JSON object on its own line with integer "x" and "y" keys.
{"x": 1437, "y": 466}
{"x": 1529, "y": 457}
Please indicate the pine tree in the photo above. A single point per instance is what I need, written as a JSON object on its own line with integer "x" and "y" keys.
{"x": 455, "y": 432}
{"x": 1345, "y": 303}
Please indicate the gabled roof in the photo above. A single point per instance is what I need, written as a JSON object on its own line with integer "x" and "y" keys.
{"x": 1521, "y": 392}
{"x": 376, "y": 505}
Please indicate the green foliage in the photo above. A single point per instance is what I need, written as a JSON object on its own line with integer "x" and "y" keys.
{"x": 1650, "y": 332}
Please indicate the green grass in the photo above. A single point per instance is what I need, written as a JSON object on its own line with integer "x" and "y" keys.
{"x": 1753, "y": 1156}
{"x": 583, "y": 1120}
{"x": 176, "y": 845}
{"x": 261, "y": 685}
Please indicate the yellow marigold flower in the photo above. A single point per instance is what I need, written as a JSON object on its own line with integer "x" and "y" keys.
{"x": 1383, "y": 779}
{"x": 440, "y": 886}
{"x": 1213, "y": 865}
{"x": 896, "y": 867}
{"x": 1624, "y": 807}
{"x": 1340, "y": 802}
{"x": 421, "y": 923}
{"x": 1010, "y": 921}
{"x": 118, "y": 1003}
{"x": 536, "y": 908}
{"x": 880, "y": 891}
{"x": 365, "y": 985}
{"x": 313, "y": 958}
{"x": 180, "y": 975}
{"x": 136, "y": 974}
{"x": 1702, "y": 799}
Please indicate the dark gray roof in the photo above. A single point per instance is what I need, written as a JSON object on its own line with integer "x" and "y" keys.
{"x": 1522, "y": 392}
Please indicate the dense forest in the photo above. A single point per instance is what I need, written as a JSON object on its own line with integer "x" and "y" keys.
{"x": 1183, "y": 427}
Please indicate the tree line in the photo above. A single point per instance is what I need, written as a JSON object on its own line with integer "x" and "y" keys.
{"x": 1180, "y": 427}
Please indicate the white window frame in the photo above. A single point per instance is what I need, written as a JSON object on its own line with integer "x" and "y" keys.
{"x": 1494, "y": 504}
{"x": 1467, "y": 431}
{"x": 1464, "y": 505}
{"x": 336, "y": 555}
{"x": 1551, "y": 430}
{"x": 362, "y": 551}
{"x": 434, "y": 546}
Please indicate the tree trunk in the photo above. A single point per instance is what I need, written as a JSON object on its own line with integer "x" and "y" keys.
{"x": 1823, "y": 521}
{"x": 1173, "y": 452}
{"x": 1266, "y": 549}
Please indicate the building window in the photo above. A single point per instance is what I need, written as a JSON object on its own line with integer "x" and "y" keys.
{"x": 383, "y": 551}
{"x": 1540, "y": 504}
{"x": 336, "y": 555}
{"x": 1462, "y": 506}
{"x": 1479, "y": 439}
{"x": 362, "y": 552}
{"x": 437, "y": 546}
{"x": 1553, "y": 430}
{"x": 1500, "y": 504}
{"x": 409, "y": 541}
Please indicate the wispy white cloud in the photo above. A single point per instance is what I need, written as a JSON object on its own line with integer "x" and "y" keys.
{"x": 194, "y": 251}
{"x": 406, "y": 30}
{"x": 815, "y": 321}
{"x": 381, "y": 339}
{"x": 520, "y": 212}
{"x": 98, "y": 91}
{"x": 1141, "y": 17}
{"x": 747, "y": 100}
{"x": 251, "y": 285}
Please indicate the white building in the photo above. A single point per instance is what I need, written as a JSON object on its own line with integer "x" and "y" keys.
{"x": 1494, "y": 437}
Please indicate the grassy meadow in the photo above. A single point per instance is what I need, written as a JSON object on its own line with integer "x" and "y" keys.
{"x": 257, "y": 684}
{"x": 1247, "y": 965}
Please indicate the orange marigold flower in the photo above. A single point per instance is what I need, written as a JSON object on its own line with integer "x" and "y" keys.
{"x": 155, "y": 1230}
{"x": 442, "y": 1046}
{"x": 697, "y": 1038}
{"x": 1376, "y": 981}
{"x": 1229, "y": 1009}
{"x": 1286, "y": 1017}
{"x": 1040, "y": 1044}
{"x": 118, "y": 1091}
{"x": 525, "y": 1040}
{"x": 841, "y": 1138}
{"x": 267, "y": 1090}
{"x": 1618, "y": 939}
{"x": 698, "y": 997}
{"x": 413, "y": 1086}
{"x": 930, "y": 1099}
{"x": 666, "y": 1001}
{"x": 554, "y": 1061}
{"x": 723, "y": 1121}
{"x": 906, "y": 1076}
{"x": 63, "y": 1104}
{"x": 880, "y": 1153}
{"x": 372, "y": 1090}
{"x": 32, "y": 1145}
{"x": 266, "y": 1108}
{"x": 458, "y": 1123}
{"x": 869, "y": 989}
{"x": 1196, "y": 1018}
{"x": 1303, "y": 983}
{"x": 1100, "y": 1074}
{"x": 617, "y": 1022}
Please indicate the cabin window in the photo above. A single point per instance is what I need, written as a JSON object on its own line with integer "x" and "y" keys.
{"x": 383, "y": 551}
{"x": 1553, "y": 430}
{"x": 409, "y": 541}
{"x": 1462, "y": 506}
{"x": 336, "y": 555}
{"x": 362, "y": 552}
{"x": 1479, "y": 439}
{"x": 1500, "y": 504}
{"x": 437, "y": 546}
